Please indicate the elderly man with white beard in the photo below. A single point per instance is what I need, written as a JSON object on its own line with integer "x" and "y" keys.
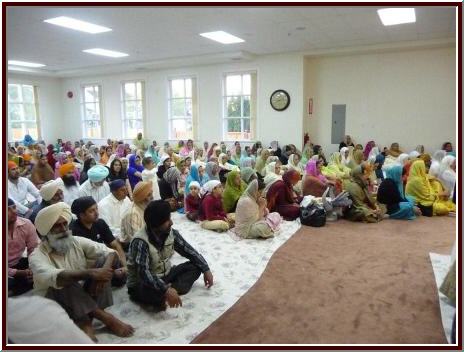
{"x": 62, "y": 261}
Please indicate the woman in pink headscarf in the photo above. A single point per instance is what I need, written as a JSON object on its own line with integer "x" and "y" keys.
{"x": 367, "y": 149}
{"x": 314, "y": 182}
{"x": 121, "y": 151}
{"x": 68, "y": 148}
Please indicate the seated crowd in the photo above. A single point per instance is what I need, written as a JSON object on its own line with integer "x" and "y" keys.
{"x": 83, "y": 218}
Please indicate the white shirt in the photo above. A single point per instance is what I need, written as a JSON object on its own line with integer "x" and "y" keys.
{"x": 46, "y": 264}
{"x": 150, "y": 175}
{"x": 98, "y": 193}
{"x": 70, "y": 194}
{"x": 36, "y": 320}
{"x": 19, "y": 192}
{"x": 112, "y": 210}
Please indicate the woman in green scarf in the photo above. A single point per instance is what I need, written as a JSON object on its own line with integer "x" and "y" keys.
{"x": 233, "y": 191}
{"x": 335, "y": 168}
{"x": 364, "y": 207}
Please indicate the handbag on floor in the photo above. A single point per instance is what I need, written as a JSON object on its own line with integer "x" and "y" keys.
{"x": 313, "y": 214}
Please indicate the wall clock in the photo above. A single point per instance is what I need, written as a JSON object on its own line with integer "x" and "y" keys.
{"x": 280, "y": 100}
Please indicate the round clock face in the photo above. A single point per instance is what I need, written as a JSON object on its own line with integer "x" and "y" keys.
{"x": 280, "y": 100}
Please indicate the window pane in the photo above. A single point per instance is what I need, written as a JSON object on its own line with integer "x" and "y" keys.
{"x": 31, "y": 128}
{"x": 177, "y": 107}
{"x": 234, "y": 125}
{"x": 246, "y": 125}
{"x": 139, "y": 90}
{"x": 234, "y": 108}
{"x": 177, "y": 88}
{"x": 28, "y": 94}
{"x": 139, "y": 109}
{"x": 246, "y": 84}
{"x": 92, "y": 129}
{"x": 14, "y": 112}
{"x": 234, "y": 85}
{"x": 246, "y": 106}
{"x": 188, "y": 88}
{"x": 181, "y": 129}
{"x": 91, "y": 112}
{"x": 16, "y": 131}
{"x": 130, "y": 112}
{"x": 29, "y": 112}
{"x": 90, "y": 94}
{"x": 129, "y": 91}
{"x": 188, "y": 107}
{"x": 132, "y": 127}
{"x": 13, "y": 92}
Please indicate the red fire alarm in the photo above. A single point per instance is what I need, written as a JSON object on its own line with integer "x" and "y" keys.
{"x": 70, "y": 94}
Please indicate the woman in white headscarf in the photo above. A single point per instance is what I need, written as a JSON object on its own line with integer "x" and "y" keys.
{"x": 272, "y": 175}
{"x": 436, "y": 161}
{"x": 447, "y": 173}
{"x": 294, "y": 163}
{"x": 271, "y": 159}
{"x": 224, "y": 163}
{"x": 345, "y": 153}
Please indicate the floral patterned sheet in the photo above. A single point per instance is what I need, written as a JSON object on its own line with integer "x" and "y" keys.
{"x": 236, "y": 265}
{"x": 441, "y": 264}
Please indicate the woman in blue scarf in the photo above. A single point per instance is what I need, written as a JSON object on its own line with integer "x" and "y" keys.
{"x": 194, "y": 175}
{"x": 134, "y": 171}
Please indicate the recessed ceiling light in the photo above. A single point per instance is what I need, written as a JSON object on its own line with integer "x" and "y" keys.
{"x": 77, "y": 25}
{"x": 24, "y": 63}
{"x": 105, "y": 52}
{"x": 222, "y": 37}
{"x": 394, "y": 16}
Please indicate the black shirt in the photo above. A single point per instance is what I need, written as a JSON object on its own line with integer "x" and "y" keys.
{"x": 99, "y": 232}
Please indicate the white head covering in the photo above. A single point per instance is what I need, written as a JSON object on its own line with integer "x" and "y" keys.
{"x": 445, "y": 164}
{"x": 209, "y": 186}
{"x": 414, "y": 154}
{"x": 345, "y": 160}
{"x": 271, "y": 176}
{"x": 373, "y": 153}
{"x": 48, "y": 216}
{"x": 439, "y": 155}
{"x": 49, "y": 189}
{"x": 403, "y": 158}
{"x": 194, "y": 184}
{"x": 163, "y": 159}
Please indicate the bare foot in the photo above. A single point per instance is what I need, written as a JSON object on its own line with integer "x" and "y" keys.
{"x": 119, "y": 328}
{"x": 88, "y": 329}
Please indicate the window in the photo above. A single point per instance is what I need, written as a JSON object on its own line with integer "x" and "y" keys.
{"x": 91, "y": 111}
{"x": 239, "y": 106}
{"x": 23, "y": 111}
{"x": 182, "y": 108}
{"x": 133, "y": 103}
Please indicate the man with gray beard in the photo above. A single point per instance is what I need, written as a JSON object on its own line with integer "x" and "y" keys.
{"x": 62, "y": 261}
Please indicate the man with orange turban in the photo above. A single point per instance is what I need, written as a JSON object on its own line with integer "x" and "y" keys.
{"x": 71, "y": 187}
{"x": 18, "y": 190}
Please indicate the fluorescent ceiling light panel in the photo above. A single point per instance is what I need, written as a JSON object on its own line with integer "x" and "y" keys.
{"x": 222, "y": 37}
{"x": 390, "y": 17}
{"x": 105, "y": 52}
{"x": 77, "y": 25}
{"x": 24, "y": 63}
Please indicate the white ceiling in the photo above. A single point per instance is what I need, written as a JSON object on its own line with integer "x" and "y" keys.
{"x": 152, "y": 34}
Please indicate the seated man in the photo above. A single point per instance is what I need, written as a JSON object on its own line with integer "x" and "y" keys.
{"x": 21, "y": 235}
{"x": 88, "y": 225}
{"x": 71, "y": 186}
{"x": 132, "y": 221}
{"x": 115, "y": 205}
{"x": 51, "y": 193}
{"x": 61, "y": 261}
{"x": 95, "y": 186}
{"x": 151, "y": 277}
{"x": 20, "y": 189}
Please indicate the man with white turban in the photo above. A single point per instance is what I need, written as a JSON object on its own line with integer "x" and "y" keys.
{"x": 51, "y": 193}
{"x": 96, "y": 186}
{"x": 62, "y": 261}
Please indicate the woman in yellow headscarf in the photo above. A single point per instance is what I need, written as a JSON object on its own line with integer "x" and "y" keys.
{"x": 335, "y": 168}
{"x": 356, "y": 159}
{"x": 443, "y": 201}
{"x": 233, "y": 191}
{"x": 428, "y": 199}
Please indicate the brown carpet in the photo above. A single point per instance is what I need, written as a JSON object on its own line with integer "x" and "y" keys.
{"x": 345, "y": 283}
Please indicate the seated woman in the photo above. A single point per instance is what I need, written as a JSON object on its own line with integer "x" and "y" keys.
{"x": 212, "y": 214}
{"x": 233, "y": 191}
{"x": 248, "y": 174}
{"x": 314, "y": 182}
{"x": 163, "y": 166}
{"x": 282, "y": 199}
{"x": 418, "y": 186}
{"x": 270, "y": 159}
{"x": 391, "y": 193}
{"x": 364, "y": 208}
{"x": 444, "y": 200}
{"x": 192, "y": 201}
{"x": 196, "y": 174}
{"x": 134, "y": 172}
{"x": 184, "y": 171}
{"x": 336, "y": 169}
{"x": 447, "y": 173}
{"x": 252, "y": 218}
{"x": 212, "y": 171}
{"x": 294, "y": 163}
{"x": 169, "y": 189}
{"x": 225, "y": 167}
{"x": 357, "y": 159}
{"x": 261, "y": 161}
{"x": 272, "y": 175}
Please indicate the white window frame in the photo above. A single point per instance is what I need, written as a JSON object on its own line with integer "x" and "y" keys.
{"x": 225, "y": 118}
{"x": 185, "y": 98}
{"x": 96, "y": 103}
{"x": 123, "y": 106}
{"x": 21, "y": 103}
